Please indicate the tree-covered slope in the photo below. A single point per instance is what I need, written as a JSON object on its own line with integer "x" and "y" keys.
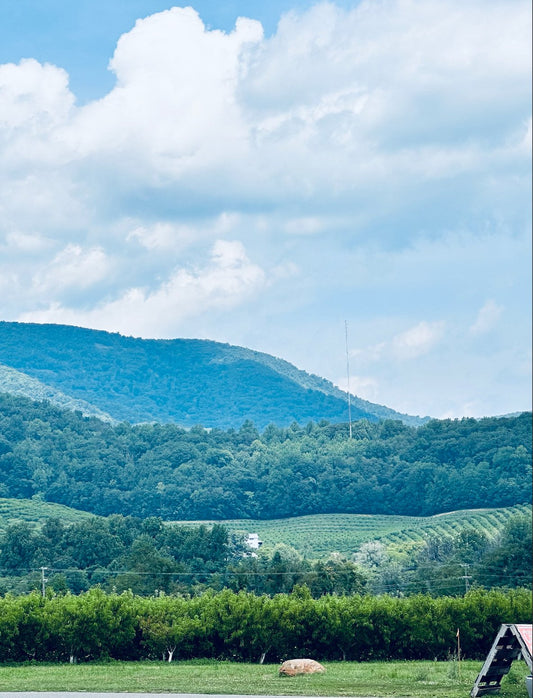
{"x": 185, "y": 381}
{"x": 18, "y": 383}
{"x": 167, "y": 471}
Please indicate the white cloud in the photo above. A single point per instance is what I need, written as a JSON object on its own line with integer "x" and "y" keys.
{"x": 417, "y": 340}
{"x": 34, "y": 96}
{"x": 176, "y": 236}
{"x": 26, "y": 242}
{"x": 174, "y": 104}
{"x": 391, "y": 93}
{"x": 487, "y": 318}
{"x": 375, "y": 160}
{"x": 412, "y": 343}
{"x": 73, "y": 268}
{"x": 35, "y": 105}
{"x": 228, "y": 280}
{"x": 526, "y": 141}
{"x": 162, "y": 236}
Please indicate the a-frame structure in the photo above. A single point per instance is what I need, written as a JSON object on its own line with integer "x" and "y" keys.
{"x": 512, "y": 641}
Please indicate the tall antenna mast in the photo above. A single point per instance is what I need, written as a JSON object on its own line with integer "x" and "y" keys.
{"x": 348, "y": 378}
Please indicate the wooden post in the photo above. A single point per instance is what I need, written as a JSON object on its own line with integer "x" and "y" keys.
{"x": 458, "y": 636}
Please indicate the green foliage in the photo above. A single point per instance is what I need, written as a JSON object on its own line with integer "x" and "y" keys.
{"x": 246, "y": 627}
{"x": 162, "y": 470}
{"x": 186, "y": 381}
{"x": 92, "y": 625}
{"x": 148, "y": 557}
{"x": 117, "y": 552}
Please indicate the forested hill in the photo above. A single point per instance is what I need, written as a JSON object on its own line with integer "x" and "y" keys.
{"x": 185, "y": 381}
{"x": 163, "y": 470}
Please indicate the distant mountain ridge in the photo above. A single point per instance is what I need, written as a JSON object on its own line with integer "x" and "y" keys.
{"x": 185, "y": 381}
{"x": 18, "y": 383}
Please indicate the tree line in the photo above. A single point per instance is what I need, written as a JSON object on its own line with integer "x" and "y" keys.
{"x": 246, "y": 627}
{"x": 148, "y": 556}
{"x": 163, "y": 470}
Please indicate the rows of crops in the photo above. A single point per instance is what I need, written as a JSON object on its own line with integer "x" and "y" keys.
{"x": 313, "y": 536}
{"x": 36, "y": 511}
{"x": 491, "y": 521}
{"x": 317, "y": 536}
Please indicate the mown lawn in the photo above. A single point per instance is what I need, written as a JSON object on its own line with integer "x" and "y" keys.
{"x": 385, "y": 679}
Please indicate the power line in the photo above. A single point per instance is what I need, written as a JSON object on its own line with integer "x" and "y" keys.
{"x": 438, "y": 581}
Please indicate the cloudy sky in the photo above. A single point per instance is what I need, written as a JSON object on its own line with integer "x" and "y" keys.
{"x": 260, "y": 173}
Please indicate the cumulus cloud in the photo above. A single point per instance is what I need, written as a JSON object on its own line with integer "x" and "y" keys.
{"x": 36, "y": 105}
{"x": 387, "y": 93}
{"x": 410, "y": 343}
{"x": 379, "y": 154}
{"x": 174, "y": 103}
{"x": 35, "y": 97}
{"x": 227, "y": 280}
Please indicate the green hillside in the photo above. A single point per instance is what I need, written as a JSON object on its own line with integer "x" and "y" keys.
{"x": 18, "y": 383}
{"x": 185, "y": 381}
{"x": 318, "y": 536}
{"x": 163, "y": 470}
{"x": 314, "y": 537}
{"x": 35, "y": 511}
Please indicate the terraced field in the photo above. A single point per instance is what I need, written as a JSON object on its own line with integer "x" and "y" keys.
{"x": 313, "y": 536}
{"x": 36, "y": 511}
{"x": 317, "y": 536}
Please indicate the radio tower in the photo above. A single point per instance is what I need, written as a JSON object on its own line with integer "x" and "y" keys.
{"x": 348, "y": 378}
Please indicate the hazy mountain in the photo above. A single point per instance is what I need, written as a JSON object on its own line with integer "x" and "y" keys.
{"x": 186, "y": 381}
{"x": 18, "y": 383}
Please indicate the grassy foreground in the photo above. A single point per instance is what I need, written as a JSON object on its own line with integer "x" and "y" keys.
{"x": 421, "y": 679}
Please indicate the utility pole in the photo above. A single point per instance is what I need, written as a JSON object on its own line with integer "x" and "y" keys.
{"x": 43, "y": 581}
{"x": 348, "y": 377}
{"x": 466, "y": 576}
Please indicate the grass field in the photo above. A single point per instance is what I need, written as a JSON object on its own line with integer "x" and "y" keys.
{"x": 317, "y": 536}
{"x": 384, "y": 679}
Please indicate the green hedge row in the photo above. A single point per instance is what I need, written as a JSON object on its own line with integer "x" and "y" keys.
{"x": 245, "y": 627}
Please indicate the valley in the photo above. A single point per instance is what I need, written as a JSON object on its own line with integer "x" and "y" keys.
{"x": 103, "y": 483}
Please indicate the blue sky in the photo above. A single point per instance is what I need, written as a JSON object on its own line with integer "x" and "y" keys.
{"x": 81, "y": 36}
{"x": 259, "y": 173}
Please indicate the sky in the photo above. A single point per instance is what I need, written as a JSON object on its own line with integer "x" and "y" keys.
{"x": 270, "y": 174}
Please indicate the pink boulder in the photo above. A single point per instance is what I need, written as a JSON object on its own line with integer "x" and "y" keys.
{"x": 292, "y": 667}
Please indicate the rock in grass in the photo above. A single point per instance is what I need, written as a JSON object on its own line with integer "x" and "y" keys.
{"x": 292, "y": 667}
